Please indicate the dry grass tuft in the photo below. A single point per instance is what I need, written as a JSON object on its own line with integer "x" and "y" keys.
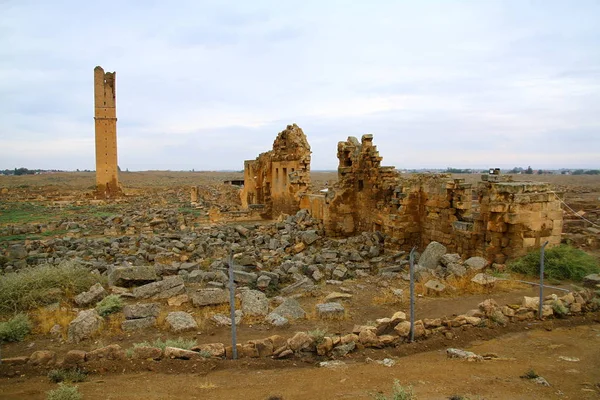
{"x": 206, "y": 385}
{"x": 46, "y": 318}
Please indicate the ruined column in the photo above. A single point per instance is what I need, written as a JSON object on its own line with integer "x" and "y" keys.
{"x": 105, "y": 116}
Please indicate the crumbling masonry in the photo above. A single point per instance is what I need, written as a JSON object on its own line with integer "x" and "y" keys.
{"x": 105, "y": 117}
{"x": 498, "y": 219}
{"x": 277, "y": 178}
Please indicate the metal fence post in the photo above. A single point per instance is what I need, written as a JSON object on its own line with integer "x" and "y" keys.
{"x": 232, "y": 307}
{"x": 412, "y": 294}
{"x": 542, "y": 250}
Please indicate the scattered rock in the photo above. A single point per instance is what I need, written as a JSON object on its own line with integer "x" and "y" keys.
{"x": 276, "y": 320}
{"x": 129, "y": 276}
{"x": 337, "y": 296}
{"x": 463, "y": 354}
{"x": 42, "y": 357}
{"x": 208, "y": 297}
{"x": 290, "y": 309}
{"x": 435, "y": 286}
{"x": 141, "y": 310}
{"x": 254, "y": 303}
{"x": 484, "y": 279}
{"x": 476, "y": 263}
{"x": 92, "y": 296}
{"x": 84, "y": 326}
{"x": 180, "y": 321}
{"x": 432, "y": 255}
{"x": 330, "y": 311}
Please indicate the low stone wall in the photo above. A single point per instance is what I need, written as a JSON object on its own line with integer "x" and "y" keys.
{"x": 391, "y": 331}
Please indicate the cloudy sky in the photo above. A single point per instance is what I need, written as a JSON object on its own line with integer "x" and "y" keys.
{"x": 206, "y": 84}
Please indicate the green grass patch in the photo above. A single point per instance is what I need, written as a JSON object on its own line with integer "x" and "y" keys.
{"x": 64, "y": 392}
{"x": 399, "y": 392}
{"x": 23, "y": 213}
{"x": 67, "y": 375}
{"x": 15, "y": 329}
{"x": 561, "y": 262}
{"x": 110, "y": 305}
{"x": 44, "y": 284}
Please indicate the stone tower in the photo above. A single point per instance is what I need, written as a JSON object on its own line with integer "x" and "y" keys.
{"x": 105, "y": 116}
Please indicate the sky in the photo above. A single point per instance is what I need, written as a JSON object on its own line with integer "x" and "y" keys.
{"x": 205, "y": 85}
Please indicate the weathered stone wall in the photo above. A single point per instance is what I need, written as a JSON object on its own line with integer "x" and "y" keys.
{"x": 105, "y": 116}
{"x": 498, "y": 220}
{"x": 278, "y": 177}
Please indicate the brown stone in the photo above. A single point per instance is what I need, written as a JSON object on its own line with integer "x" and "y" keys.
{"x": 73, "y": 358}
{"x": 42, "y": 357}
{"x": 110, "y": 352}
{"x": 147, "y": 353}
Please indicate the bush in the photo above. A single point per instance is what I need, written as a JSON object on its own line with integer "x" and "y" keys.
{"x": 561, "y": 262}
{"x": 399, "y": 392}
{"x": 44, "y": 284}
{"x": 109, "y": 305}
{"x": 15, "y": 329}
{"x": 64, "y": 392}
{"x": 67, "y": 375}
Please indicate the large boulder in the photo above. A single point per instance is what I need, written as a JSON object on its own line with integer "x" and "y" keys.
{"x": 86, "y": 324}
{"x": 131, "y": 276}
{"x": 209, "y": 297}
{"x": 254, "y": 303}
{"x": 168, "y": 287}
{"x": 137, "y": 324}
{"x": 331, "y": 310}
{"x": 290, "y": 309}
{"x": 92, "y": 296}
{"x": 432, "y": 255}
{"x": 180, "y": 321}
{"x": 476, "y": 263}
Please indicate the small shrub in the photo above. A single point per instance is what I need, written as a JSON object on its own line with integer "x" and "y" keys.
{"x": 530, "y": 375}
{"x": 67, "y": 375}
{"x": 15, "y": 329}
{"x": 64, "y": 392}
{"x": 318, "y": 335}
{"x": 561, "y": 262}
{"x": 109, "y": 305}
{"x": 43, "y": 284}
{"x": 399, "y": 392}
{"x": 559, "y": 309}
{"x": 205, "y": 354}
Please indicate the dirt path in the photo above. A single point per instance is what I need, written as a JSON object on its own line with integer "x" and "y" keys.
{"x": 432, "y": 375}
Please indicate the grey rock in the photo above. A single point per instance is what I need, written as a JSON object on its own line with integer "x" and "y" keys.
{"x": 463, "y": 354}
{"x": 309, "y": 237}
{"x": 244, "y": 277}
{"x": 432, "y": 255}
{"x": 331, "y": 310}
{"x": 94, "y": 295}
{"x": 84, "y": 326}
{"x": 263, "y": 282}
{"x": 435, "y": 285}
{"x": 456, "y": 269}
{"x": 277, "y": 320}
{"x": 170, "y": 286}
{"x": 129, "y": 276}
{"x": 17, "y": 252}
{"x": 484, "y": 279}
{"x": 180, "y": 321}
{"x": 254, "y": 303}
{"x": 302, "y": 283}
{"x": 290, "y": 309}
{"x": 592, "y": 280}
{"x": 339, "y": 272}
{"x": 476, "y": 263}
{"x": 208, "y": 297}
{"x": 141, "y": 310}
{"x": 225, "y": 320}
{"x": 136, "y": 324}
{"x": 344, "y": 349}
{"x": 448, "y": 259}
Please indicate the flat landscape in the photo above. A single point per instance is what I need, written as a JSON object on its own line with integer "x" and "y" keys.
{"x": 162, "y": 262}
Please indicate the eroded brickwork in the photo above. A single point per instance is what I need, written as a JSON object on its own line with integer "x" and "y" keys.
{"x": 105, "y": 117}
{"x": 277, "y": 178}
{"x": 498, "y": 219}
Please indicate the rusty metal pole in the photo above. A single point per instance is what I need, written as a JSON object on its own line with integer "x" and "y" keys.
{"x": 542, "y": 250}
{"x": 412, "y": 293}
{"x": 232, "y": 307}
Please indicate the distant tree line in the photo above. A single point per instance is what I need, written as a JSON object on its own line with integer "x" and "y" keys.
{"x": 26, "y": 171}
{"x": 586, "y": 172}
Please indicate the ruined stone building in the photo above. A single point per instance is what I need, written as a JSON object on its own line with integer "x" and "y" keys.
{"x": 497, "y": 219}
{"x": 277, "y": 178}
{"x": 105, "y": 117}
